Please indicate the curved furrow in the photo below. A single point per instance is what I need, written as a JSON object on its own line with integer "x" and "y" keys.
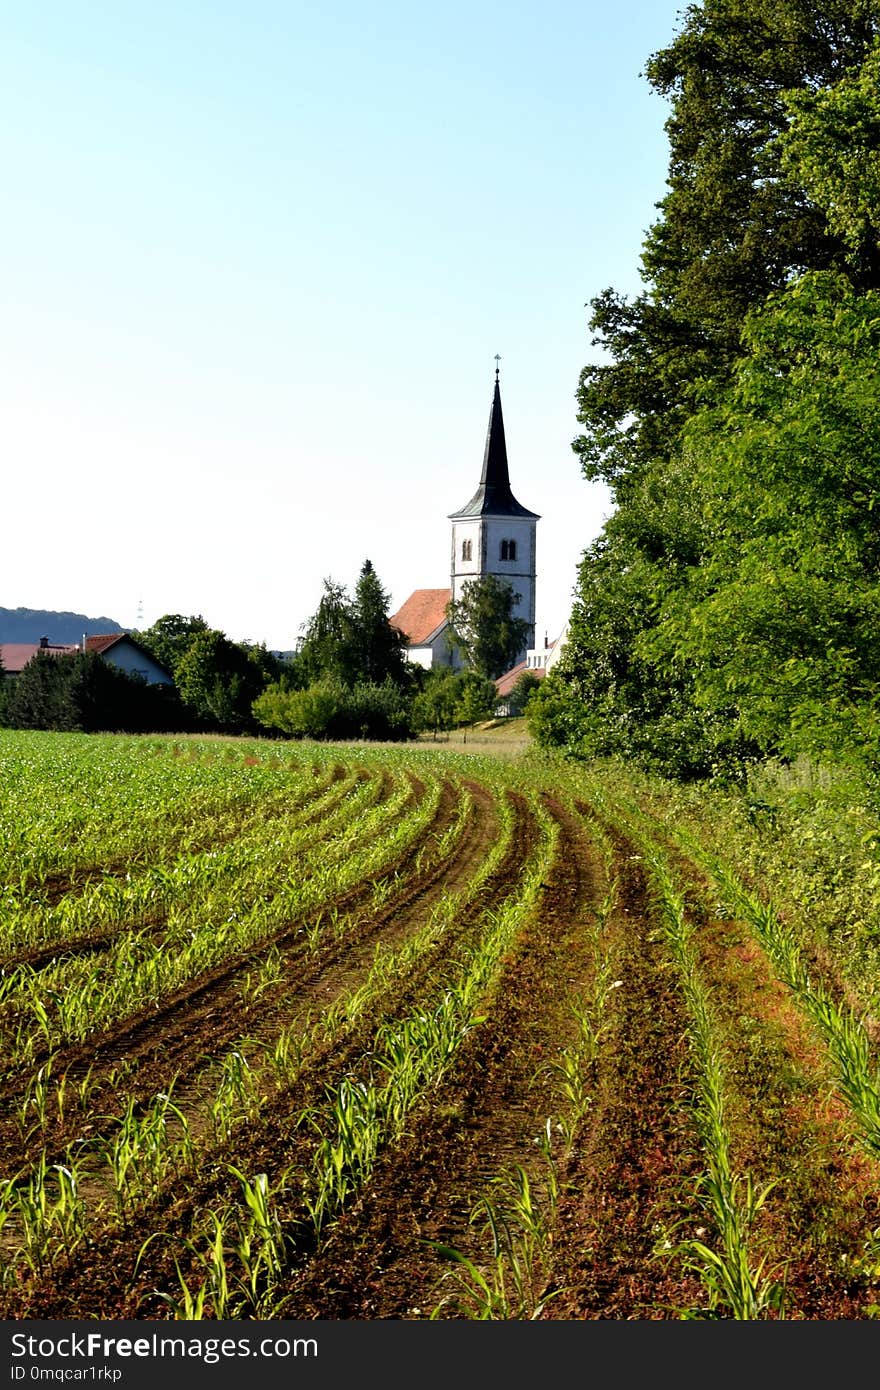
{"x": 273, "y": 1140}
{"x": 322, "y": 816}
{"x": 800, "y": 1149}
{"x": 172, "y": 1038}
{"x": 483, "y": 1120}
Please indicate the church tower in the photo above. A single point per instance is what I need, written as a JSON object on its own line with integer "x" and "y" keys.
{"x": 495, "y": 534}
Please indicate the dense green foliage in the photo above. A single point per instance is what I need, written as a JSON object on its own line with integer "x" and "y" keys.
{"x": 81, "y": 691}
{"x": 449, "y": 699}
{"x": 350, "y": 677}
{"x": 217, "y": 679}
{"x": 169, "y": 637}
{"x": 727, "y": 610}
{"x": 330, "y": 709}
{"x": 483, "y": 626}
{"x": 350, "y": 639}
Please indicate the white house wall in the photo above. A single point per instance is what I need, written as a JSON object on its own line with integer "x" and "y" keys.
{"x": 135, "y": 663}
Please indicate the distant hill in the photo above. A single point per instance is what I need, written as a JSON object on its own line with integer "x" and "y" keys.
{"x": 30, "y": 624}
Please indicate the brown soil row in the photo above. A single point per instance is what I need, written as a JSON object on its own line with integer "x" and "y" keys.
{"x": 629, "y": 1182}
{"x": 786, "y": 1127}
{"x": 201, "y": 1020}
{"x": 102, "y": 1275}
{"x": 381, "y": 1260}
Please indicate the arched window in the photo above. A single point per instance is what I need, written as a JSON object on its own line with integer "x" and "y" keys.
{"x": 466, "y": 550}
{"x": 508, "y": 550}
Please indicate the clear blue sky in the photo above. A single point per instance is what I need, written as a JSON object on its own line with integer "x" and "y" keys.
{"x": 258, "y": 259}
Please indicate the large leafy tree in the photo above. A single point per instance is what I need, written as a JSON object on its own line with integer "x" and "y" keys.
{"x": 219, "y": 680}
{"x": 484, "y": 627}
{"x": 350, "y": 639}
{"x": 732, "y": 226}
{"x": 780, "y": 623}
{"x": 170, "y": 636}
{"x": 772, "y": 192}
{"x": 327, "y": 647}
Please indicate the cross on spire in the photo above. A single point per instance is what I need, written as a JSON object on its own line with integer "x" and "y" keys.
{"x": 497, "y": 369}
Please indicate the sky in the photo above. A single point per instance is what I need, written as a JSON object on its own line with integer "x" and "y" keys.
{"x": 258, "y": 261}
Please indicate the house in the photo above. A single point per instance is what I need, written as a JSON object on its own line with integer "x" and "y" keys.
{"x": 422, "y": 620}
{"x": 119, "y": 649}
{"x": 492, "y": 534}
{"x": 534, "y": 663}
{"x": 16, "y": 655}
{"x": 116, "y": 648}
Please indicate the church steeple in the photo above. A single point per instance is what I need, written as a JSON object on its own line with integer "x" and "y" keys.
{"x": 493, "y": 497}
{"x": 494, "y": 534}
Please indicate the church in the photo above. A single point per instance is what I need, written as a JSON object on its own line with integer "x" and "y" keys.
{"x": 492, "y": 534}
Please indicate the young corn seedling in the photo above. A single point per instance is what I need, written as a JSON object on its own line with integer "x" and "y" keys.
{"x": 346, "y": 1154}
{"x": 145, "y": 1148}
{"x": 260, "y": 1248}
{"x": 733, "y": 1280}
{"x": 237, "y": 1097}
{"x": 268, "y": 973}
{"x": 50, "y": 1213}
{"x": 34, "y": 1109}
{"x": 509, "y": 1285}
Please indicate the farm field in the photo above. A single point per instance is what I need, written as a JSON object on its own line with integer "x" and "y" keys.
{"x": 303, "y": 1031}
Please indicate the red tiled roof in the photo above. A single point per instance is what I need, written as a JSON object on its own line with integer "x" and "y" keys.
{"x": 16, "y": 655}
{"x": 102, "y": 641}
{"x": 421, "y": 615}
{"x": 504, "y": 684}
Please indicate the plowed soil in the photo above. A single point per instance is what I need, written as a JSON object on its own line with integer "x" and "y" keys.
{"x": 615, "y": 1195}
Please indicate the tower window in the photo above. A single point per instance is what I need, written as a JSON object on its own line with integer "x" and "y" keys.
{"x": 508, "y": 550}
{"x": 467, "y": 550}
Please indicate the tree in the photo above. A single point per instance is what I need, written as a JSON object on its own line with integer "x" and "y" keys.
{"x": 523, "y": 690}
{"x": 219, "y": 680}
{"x": 377, "y": 648}
{"x": 82, "y": 691}
{"x": 832, "y": 147}
{"x": 483, "y": 625}
{"x": 732, "y": 227}
{"x": 38, "y": 699}
{"x": 434, "y": 704}
{"x": 477, "y": 698}
{"x": 780, "y": 621}
{"x": 170, "y": 636}
{"x": 350, "y": 639}
{"x": 327, "y": 648}
{"x": 761, "y": 195}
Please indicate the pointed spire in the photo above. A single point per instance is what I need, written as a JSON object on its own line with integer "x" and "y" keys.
{"x": 495, "y": 473}
{"x": 493, "y": 497}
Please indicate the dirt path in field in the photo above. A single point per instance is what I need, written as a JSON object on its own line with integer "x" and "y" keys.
{"x": 380, "y": 1261}
{"x": 623, "y": 1188}
{"x": 787, "y": 1125}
